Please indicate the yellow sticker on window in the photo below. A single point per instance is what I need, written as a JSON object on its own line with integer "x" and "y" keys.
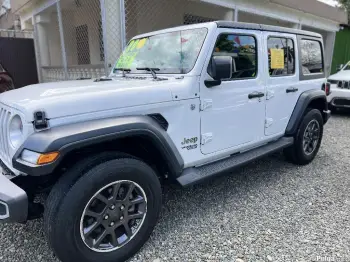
{"x": 141, "y": 43}
{"x": 130, "y": 53}
{"x": 277, "y": 58}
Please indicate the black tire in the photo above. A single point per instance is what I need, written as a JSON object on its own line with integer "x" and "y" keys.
{"x": 69, "y": 197}
{"x": 296, "y": 153}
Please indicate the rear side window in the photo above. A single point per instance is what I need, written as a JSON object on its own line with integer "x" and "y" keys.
{"x": 311, "y": 57}
{"x": 281, "y": 56}
{"x": 242, "y": 48}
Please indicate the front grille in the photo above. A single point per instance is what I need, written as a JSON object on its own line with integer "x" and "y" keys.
{"x": 344, "y": 84}
{"x": 341, "y": 102}
{"x": 5, "y": 116}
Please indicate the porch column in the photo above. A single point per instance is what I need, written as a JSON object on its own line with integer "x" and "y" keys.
{"x": 329, "y": 42}
{"x": 41, "y": 25}
{"x": 113, "y": 27}
{"x": 236, "y": 14}
{"x": 297, "y": 26}
{"x": 230, "y": 15}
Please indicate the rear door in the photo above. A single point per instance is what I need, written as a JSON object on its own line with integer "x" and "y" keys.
{"x": 283, "y": 88}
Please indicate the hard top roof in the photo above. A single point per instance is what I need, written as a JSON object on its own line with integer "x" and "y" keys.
{"x": 237, "y": 25}
{"x": 261, "y": 27}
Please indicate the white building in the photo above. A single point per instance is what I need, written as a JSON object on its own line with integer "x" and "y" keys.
{"x": 83, "y": 38}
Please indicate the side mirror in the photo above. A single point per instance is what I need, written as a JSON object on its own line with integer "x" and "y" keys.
{"x": 220, "y": 68}
{"x": 340, "y": 67}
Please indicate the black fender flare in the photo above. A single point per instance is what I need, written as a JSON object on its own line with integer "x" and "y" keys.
{"x": 305, "y": 99}
{"x": 78, "y": 135}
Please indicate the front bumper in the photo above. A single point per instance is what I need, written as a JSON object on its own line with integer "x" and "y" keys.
{"x": 340, "y": 102}
{"x": 13, "y": 201}
{"x": 339, "y": 98}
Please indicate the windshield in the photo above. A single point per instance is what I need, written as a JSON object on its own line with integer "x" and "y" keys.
{"x": 173, "y": 53}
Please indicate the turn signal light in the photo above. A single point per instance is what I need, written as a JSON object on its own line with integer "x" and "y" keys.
{"x": 47, "y": 158}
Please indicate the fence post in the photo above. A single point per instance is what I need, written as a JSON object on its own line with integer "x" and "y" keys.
{"x": 104, "y": 35}
{"x": 122, "y": 24}
{"x": 37, "y": 51}
{"x": 63, "y": 47}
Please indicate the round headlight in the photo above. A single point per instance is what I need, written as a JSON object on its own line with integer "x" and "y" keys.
{"x": 16, "y": 131}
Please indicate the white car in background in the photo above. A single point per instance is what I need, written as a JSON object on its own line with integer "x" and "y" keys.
{"x": 340, "y": 86}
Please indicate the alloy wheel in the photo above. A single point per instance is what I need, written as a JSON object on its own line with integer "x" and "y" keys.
{"x": 311, "y": 137}
{"x": 113, "y": 216}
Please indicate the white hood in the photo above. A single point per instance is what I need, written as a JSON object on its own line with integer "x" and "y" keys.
{"x": 343, "y": 75}
{"x": 59, "y": 99}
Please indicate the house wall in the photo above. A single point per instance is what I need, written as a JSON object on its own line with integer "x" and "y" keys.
{"x": 7, "y": 21}
{"x": 166, "y": 13}
{"x": 84, "y": 15}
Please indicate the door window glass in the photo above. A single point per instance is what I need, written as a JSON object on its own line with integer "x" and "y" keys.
{"x": 311, "y": 57}
{"x": 243, "y": 50}
{"x": 281, "y": 56}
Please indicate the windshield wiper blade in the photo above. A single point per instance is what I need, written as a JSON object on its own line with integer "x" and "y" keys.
{"x": 123, "y": 70}
{"x": 102, "y": 79}
{"x": 150, "y": 69}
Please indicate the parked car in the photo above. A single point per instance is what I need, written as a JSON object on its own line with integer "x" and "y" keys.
{"x": 6, "y": 82}
{"x": 340, "y": 82}
{"x": 184, "y": 104}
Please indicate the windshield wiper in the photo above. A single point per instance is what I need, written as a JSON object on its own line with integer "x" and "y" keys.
{"x": 102, "y": 79}
{"x": 150, "y": 69}
{"x": 128, "y": 70}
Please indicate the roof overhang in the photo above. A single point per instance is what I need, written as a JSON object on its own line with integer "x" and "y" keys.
{"x": 316, "y": 8}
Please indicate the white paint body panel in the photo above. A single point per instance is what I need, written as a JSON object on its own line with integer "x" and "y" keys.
{"x": 233, "y": 119}
{"x": 230, "y": 121}
{"x": 338, "y": 92}
{"x": 280, "y": 106}
{"x": 342, "y": 75}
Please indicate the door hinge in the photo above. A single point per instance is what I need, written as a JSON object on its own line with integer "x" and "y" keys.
{"x": 269, "y": 94}
{"x": 268, "y": 122}
{"x": 205, "y": 104}
{"x": 206, "y": 138}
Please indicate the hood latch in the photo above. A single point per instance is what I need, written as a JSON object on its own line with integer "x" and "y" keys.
{"x": 40, "y": 120}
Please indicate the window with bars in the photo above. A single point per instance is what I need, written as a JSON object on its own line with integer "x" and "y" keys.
{"x": 83, "y": 47}
{"x": 100, "y": 37}
{"x": 195, "y": 19}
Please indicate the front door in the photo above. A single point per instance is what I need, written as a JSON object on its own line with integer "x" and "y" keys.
{"x": 233, "y": 113}
{"x": 283, "y": 89}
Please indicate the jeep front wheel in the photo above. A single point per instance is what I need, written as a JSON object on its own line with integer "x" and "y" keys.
{"x": 107, "y": 214}
{"x": 307, "y": 140}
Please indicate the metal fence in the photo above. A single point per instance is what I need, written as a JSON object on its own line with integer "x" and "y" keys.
{"x": 15, "y": 33}
{"x": 83, "y": 38}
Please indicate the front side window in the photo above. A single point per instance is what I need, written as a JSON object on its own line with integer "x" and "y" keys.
{"x": 243, "y": 50}
{"x": 311, "y": 57}
{"x": 281, "y": 56}
{"x": 172, "y": 53}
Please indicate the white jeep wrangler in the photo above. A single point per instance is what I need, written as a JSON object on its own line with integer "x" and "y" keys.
{"x": 340, "y": 82}
{"x": 186, "y": 104}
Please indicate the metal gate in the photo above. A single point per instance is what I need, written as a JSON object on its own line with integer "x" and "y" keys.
{"x": 17, "y": 57}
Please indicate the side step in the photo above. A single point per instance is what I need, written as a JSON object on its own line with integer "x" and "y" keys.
{"x": 195, "y": 175}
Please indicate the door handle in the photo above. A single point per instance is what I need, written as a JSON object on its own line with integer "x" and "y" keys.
{"x": 256, "y": 95}
{"x": 292, "y": 90}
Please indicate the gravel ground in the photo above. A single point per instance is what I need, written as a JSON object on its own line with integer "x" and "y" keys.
{"x": 267, "y": 211}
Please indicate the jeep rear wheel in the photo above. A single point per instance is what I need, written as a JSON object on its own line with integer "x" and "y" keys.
{"x": 107, "y": 214}
{"x": 307, "y": 140}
